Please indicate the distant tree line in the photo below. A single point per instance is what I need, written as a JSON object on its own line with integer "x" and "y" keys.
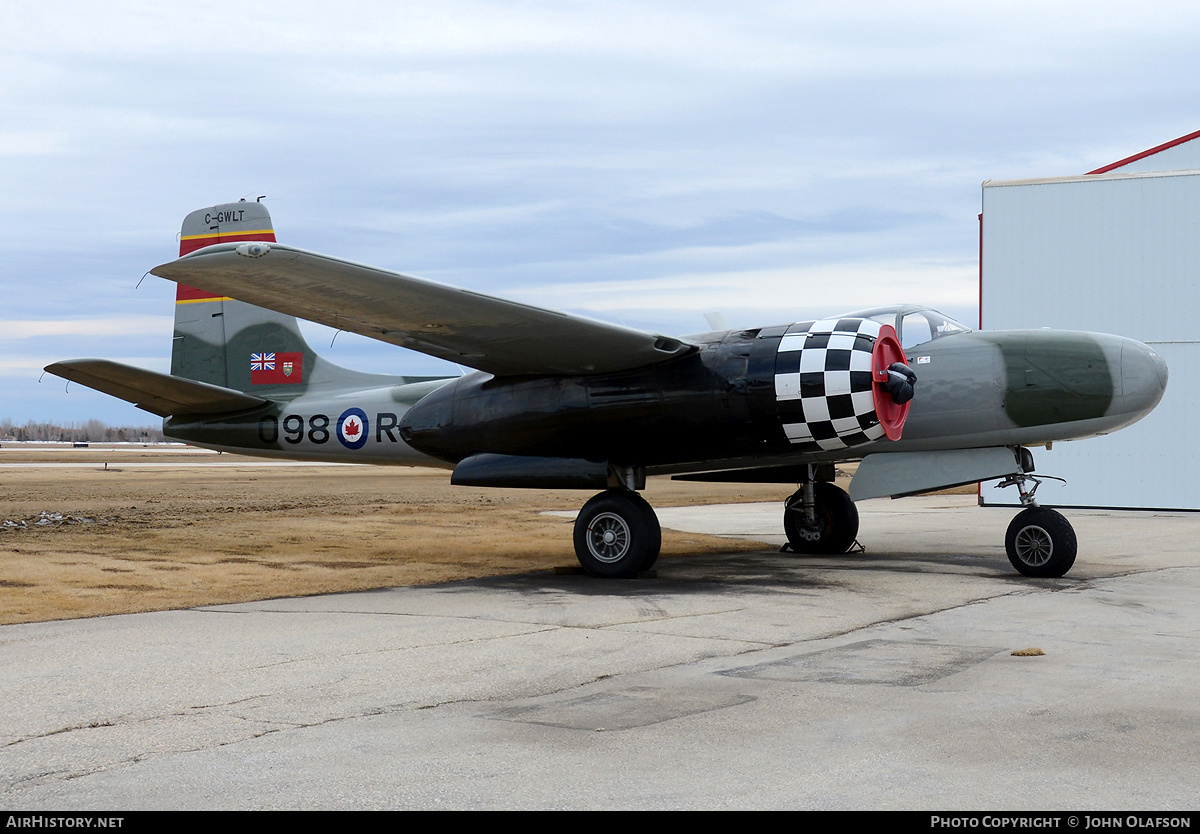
{"x": 92, "y": 431}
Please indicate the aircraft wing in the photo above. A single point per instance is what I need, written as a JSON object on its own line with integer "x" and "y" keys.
{"x": 160, "y": 394}
{"x": 490, "y": 334}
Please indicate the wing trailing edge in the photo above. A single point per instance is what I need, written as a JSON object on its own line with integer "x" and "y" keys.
{"x": 501, "y": 337}
{"x": 160, "y": 394}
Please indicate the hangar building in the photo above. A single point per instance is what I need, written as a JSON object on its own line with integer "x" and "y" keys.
{"x": 1116, "y": 250}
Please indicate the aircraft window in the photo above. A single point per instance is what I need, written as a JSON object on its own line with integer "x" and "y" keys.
{"x": 944, "y": 325}
{"x": 916, "y": 325}
{"x": 887, "y": 317}
{"x": 916, "y": 330}
{"x": 925, "y": 325}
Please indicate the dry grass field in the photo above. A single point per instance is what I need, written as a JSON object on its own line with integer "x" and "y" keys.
{"x": 207, "y": 529}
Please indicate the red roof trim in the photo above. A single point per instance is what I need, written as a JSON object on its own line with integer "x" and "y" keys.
{"x": 1144, "y": 154}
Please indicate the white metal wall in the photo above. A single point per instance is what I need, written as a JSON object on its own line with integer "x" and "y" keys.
{"x": 1116, "y": 253}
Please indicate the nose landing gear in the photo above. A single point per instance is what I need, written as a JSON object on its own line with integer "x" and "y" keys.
{"x": 1040, "y": 541}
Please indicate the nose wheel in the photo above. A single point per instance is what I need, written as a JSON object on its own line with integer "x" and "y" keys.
{"x": 1041, "y": 542}
{"x": 617, "y": 535}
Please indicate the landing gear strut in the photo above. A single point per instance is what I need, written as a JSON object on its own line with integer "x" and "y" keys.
{"x": 1040, "y": 541}
{"x": 820, "y": 518}
{"x": 617, "y": 534}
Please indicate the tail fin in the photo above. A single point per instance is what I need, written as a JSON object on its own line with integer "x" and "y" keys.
{"x": 236, "y": 345}
{"x": 230, "y": 222}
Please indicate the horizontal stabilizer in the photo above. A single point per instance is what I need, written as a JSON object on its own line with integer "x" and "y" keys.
{"x": 160, "y": 394}
{"x": 480, "y": 331}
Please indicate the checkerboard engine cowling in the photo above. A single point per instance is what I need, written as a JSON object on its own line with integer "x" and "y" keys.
{"x": 823, "y": 384}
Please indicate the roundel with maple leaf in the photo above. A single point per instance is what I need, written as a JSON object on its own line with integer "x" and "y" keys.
{"x": 353, "y": 428}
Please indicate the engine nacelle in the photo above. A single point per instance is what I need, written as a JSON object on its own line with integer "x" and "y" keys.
{"x": 840, "y": 383}
{"x": 822, "y": 387}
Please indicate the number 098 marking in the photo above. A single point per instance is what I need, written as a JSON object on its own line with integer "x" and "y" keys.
{"x": 293, "y": 429}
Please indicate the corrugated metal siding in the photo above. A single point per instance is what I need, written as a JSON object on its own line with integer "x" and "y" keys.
{"x": 1117, "y": 255}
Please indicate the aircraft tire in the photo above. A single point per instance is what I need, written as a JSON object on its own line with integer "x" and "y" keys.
{"x": 617, "y": 535}
{"x": 837, "y": 521}
{"x": 1041, "y": 542}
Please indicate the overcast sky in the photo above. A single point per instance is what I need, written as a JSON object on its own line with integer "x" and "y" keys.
{"x": 643, "y": 163}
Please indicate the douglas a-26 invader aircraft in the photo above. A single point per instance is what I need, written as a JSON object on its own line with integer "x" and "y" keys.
{"x": 559, "y": 401}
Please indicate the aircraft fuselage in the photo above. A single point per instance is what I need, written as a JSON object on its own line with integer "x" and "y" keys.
{"x": 713, "y": 408}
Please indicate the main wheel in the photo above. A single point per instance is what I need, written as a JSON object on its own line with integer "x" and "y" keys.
{"x": 836, "y": 524}
{"x": 617, "y": 535}
{"x": 1040, "y": 542}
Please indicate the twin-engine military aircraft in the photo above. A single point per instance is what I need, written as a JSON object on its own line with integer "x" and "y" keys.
{"x": 559, "y": 401}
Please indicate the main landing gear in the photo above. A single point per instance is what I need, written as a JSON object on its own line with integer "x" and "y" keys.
{"x": 820, "y": 518}
{"x": 617, "y": 534}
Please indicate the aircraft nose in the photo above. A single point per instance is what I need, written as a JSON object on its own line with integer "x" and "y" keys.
{"x": 1143, "y": 376}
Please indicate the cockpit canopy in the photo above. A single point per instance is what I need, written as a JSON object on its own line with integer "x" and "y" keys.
{"x": 914, "y": 325}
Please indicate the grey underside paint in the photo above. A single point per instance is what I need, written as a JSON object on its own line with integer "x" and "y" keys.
{"x": 491, "y": 334}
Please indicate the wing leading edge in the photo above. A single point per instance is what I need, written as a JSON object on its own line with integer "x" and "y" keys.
{"x": 490, "y": 334}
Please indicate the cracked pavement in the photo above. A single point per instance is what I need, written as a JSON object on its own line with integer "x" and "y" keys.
{"x": 875, "y": 680}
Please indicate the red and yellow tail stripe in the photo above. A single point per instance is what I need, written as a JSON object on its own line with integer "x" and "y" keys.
{"x": 190, "y": 243}
{"x": 190, "y": 295}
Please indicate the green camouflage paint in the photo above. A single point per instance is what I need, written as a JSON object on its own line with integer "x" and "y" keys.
{"x": 1053, "y": 377}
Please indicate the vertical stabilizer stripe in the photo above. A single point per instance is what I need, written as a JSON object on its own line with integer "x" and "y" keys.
{"x": 190, "y": 295}
{"x": 190, "y": 243}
